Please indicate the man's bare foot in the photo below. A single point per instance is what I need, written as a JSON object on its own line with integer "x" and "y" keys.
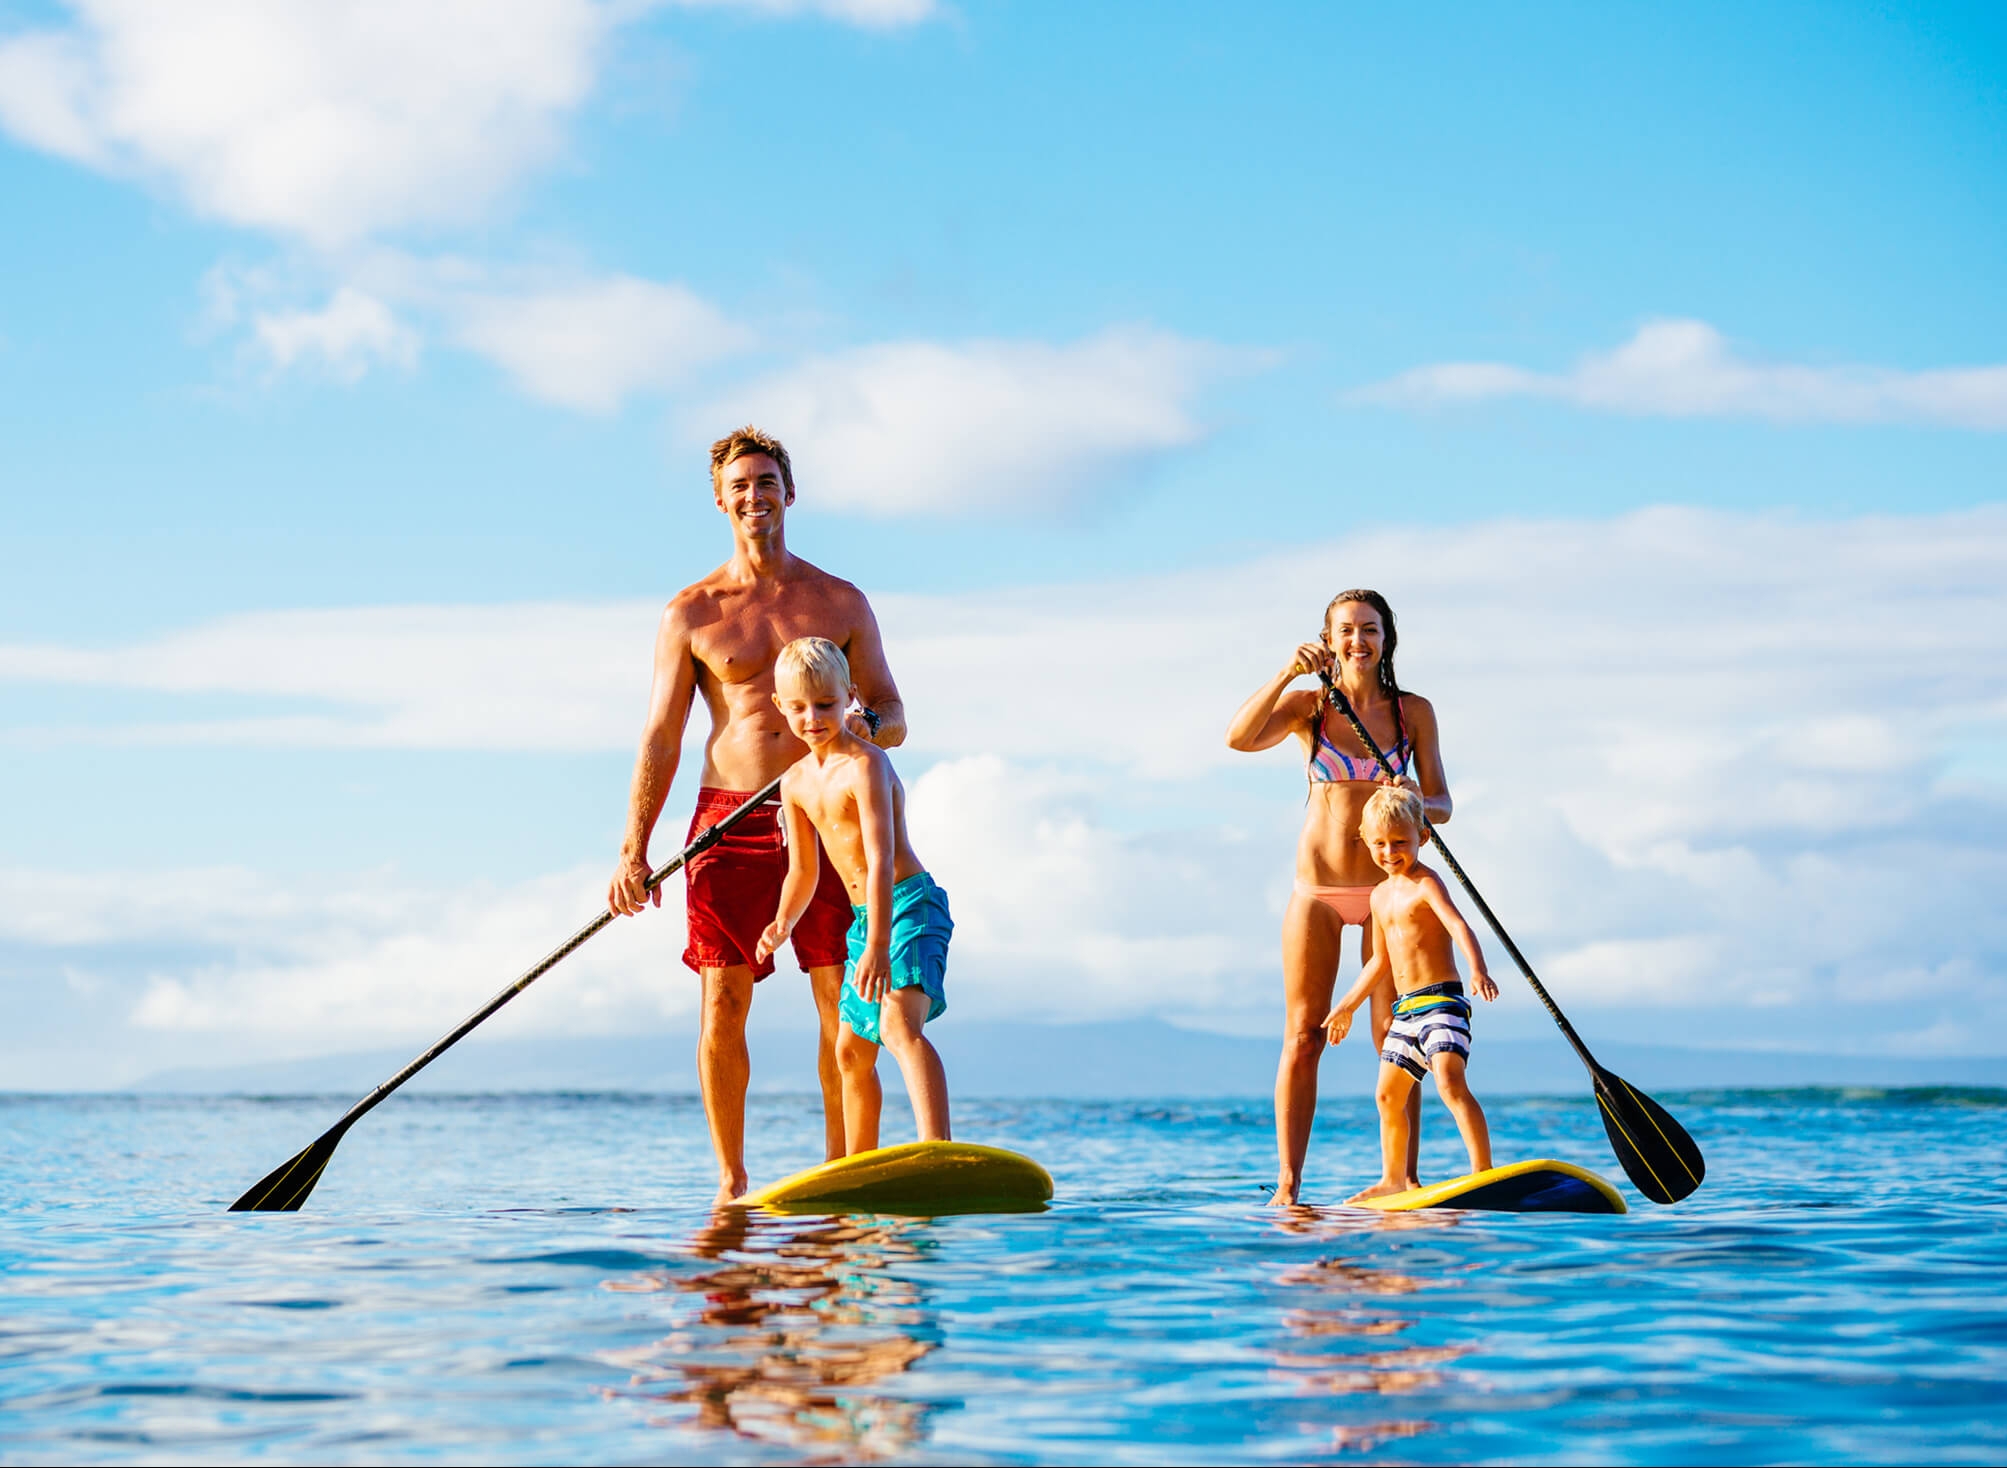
{"x": 1384, "y": 1188}
{"x": 730, "y": 1190}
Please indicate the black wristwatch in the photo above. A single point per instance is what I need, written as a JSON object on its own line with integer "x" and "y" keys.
{"x": 871, "y": 719}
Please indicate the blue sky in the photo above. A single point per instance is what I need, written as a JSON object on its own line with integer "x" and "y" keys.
{"x": 319, "y": 316}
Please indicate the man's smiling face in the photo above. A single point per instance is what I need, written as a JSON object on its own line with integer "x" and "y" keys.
{"x": 751, "y": 492}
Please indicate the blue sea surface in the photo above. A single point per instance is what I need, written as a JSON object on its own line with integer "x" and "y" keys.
{"x": 525, "y": 1279}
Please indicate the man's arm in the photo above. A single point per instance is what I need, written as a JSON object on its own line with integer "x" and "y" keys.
{"x": 871, "y": 677}
{"x": 669, "y": 702}
{"x": 1445, "y": 908}
{"x": 874, "y": 823}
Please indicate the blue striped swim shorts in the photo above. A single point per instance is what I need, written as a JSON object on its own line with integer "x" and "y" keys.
{"x": 1427, "y": 1022}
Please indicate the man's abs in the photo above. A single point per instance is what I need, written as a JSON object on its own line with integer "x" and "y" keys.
{"x": 750, "y": 742}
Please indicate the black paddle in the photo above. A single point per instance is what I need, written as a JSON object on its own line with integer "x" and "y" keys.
{"x": 1653, "y": 1148}
{"x": 286, "y": 1187}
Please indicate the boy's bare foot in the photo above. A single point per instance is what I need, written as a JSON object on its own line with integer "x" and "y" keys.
{"x": 1384, "y": 1188}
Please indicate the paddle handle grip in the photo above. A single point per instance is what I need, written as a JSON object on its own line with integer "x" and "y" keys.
{"x": 706, "y": 839}
{"x": 1344, "y": 706}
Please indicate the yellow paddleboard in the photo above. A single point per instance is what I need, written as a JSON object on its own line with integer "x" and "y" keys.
{"x": 920, "y": 1178}
{"x": 1541, "y": 1186}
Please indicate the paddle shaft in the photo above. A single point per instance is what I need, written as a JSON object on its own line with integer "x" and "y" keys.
{"x": 706, "y": 839}
{"x": 1334, "y": 696}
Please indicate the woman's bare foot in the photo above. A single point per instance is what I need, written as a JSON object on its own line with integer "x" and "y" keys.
{"x": 1384, "y": 1188}
{"x": 730, "y": 1190}
{"x": 1284, "y": 1195}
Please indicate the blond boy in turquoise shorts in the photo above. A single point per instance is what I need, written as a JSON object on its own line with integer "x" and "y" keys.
{"x": 844, "y": 791}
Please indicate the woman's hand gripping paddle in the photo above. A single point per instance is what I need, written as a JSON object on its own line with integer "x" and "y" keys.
{"x": 286, "y": 1187}
{"x": 1653, "y": 1148}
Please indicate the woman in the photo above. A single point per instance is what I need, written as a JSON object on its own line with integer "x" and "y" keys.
{"x": 1335, "y": 874}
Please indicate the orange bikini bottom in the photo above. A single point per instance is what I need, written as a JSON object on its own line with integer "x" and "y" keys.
{"x": 1352, "y": 904}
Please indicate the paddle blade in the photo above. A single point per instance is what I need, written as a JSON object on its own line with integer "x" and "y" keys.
{"x": 1655, "y": 1150}
{"x": 285, "y": 1187}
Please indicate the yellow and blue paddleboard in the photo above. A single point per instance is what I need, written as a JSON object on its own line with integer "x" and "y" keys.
{"x": 1540, "y": 1186}
{"x": 919, "y": 1178}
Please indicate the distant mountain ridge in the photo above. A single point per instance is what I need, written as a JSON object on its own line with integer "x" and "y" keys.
{"x": 1112, "y": 1060}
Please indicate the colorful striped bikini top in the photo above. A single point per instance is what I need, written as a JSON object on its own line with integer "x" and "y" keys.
{"x": 1329, "y": 765}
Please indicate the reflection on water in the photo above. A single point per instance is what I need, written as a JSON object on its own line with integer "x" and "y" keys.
{"x": 781, "y": 1329}
{"x": 791, "y": 1332}
{"x": 455, "y": 1294}
{"x": 1349, "y": 1294}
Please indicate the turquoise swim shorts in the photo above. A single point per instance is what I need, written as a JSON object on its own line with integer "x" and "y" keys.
{"x": 921, "y": 928}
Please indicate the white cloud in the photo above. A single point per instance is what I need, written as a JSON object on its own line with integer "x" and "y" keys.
{"x": 1058, "y": 917}
{"x": 334, "y": 122}
{"x": 346, "y": 337}
{"x": 1707, "y": 765}
{"x": 515, "y": 677}
{"x": 591, "y": 345}
{"x": 994, "y": 424}
{"x": 877, "y": 14}
{"x": 323, "y": 121}
{"x": 42, "y": 81}
{"x": 369, "y": 958}
{"x": 1687, "y": 369}
{"x": 586, "y": 342}
{"x": 328, "y": 120}
{"x": 402, "y": 677}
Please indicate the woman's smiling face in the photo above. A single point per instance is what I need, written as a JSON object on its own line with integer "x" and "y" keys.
{"x": 1355, "y": 635}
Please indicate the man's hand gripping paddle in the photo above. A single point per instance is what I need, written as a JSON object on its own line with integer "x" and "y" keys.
{"x": 1653, "y": 1148}
{"x": 286, "y": 1187}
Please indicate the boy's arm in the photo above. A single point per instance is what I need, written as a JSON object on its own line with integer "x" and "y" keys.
{"x": 1338, "y": 1024}
{"x": 873, "y": 791}
{"x": 1445, "y": 909}
{"x": 803, "y": 867}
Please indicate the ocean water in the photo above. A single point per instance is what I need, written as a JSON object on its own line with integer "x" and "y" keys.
{"x": 536, "y": 1278}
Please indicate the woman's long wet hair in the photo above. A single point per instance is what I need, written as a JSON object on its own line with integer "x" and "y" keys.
{"x": 1390, "y": 641}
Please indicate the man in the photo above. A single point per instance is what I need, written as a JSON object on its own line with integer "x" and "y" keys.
{"x": 719, "y": 638}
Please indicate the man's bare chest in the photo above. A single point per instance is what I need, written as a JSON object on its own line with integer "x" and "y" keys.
{"x": 742, "y": 647}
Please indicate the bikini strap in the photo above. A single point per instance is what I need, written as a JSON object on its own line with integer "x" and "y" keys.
{"x": 1337, "y": 696}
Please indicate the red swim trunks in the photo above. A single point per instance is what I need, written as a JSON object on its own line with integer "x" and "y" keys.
{"x": 734, "y": 892}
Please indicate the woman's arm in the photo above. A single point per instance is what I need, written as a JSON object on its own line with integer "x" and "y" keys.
{"x": 1430, "y": 779}
{"x": 1269, "y": 716}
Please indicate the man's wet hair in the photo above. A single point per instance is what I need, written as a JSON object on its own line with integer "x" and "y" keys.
{"x": 749, "y": 440}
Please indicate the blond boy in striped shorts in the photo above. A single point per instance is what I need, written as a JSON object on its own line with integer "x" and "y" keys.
{"x": 1415, "y": 928}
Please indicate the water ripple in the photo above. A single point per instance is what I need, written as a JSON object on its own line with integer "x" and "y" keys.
{"x": 1828, "y": 1297}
